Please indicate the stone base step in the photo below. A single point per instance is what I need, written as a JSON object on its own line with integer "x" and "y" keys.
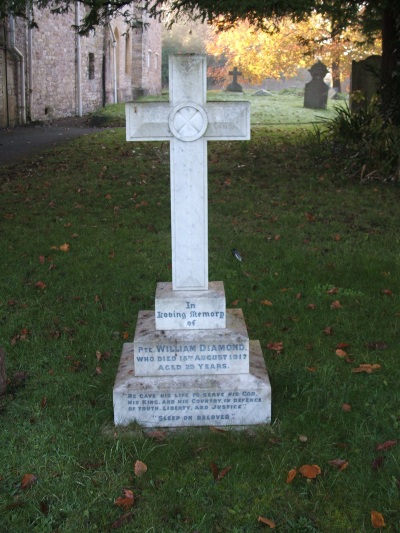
{"x": 176, "y": 401}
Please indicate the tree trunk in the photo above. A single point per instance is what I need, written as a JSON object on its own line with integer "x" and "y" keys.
{"x": 390, "y": 74}
{"x": 336, "y": 83}
{"x": 3, "y": 376}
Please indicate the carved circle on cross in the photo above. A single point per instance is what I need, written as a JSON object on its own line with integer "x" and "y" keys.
{"x": 188, "y": 121}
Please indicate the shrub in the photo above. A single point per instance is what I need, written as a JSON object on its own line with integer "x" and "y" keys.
{"x": 368, "y": 146}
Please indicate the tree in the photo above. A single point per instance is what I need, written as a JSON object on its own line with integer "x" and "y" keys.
{"x": 370, "y": 15}
{"x": 259, "y": 54}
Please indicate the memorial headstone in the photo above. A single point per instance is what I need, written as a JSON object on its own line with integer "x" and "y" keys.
{"x": 234, "y": 86}
{"x": 316, "y": 90}
{"x": 191, "y": 362}
{"x": 365, "y": 81}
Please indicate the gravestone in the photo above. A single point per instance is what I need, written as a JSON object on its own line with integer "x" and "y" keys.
{"x": 316, "y": 90}
{"x": 191, "y": 362}
{"x": 234, "y": 86}
{"x": 365, "y": 82}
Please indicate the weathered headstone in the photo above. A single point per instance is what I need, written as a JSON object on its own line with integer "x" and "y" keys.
{"x": 365, "y": 81}
{"x": 234, "y": 86}
{"x": 191, "y": 362}
{"x": 316, "y": 90}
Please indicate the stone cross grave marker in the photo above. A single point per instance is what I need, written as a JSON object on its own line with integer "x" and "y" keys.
{"x": 234, "y": 86}
{"x": 191, "y": 362}
{"x": 188, "y": 122}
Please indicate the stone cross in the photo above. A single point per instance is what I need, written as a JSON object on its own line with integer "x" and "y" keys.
{"x": 188, "y": 121}
{"x": 235, "y": 73}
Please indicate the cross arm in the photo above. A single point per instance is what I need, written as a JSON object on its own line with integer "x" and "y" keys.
{"x": 147, "y": 121}
{"x": 228, "y": 121}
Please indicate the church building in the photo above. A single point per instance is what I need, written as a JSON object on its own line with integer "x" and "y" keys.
{"x": 51, "y": 71}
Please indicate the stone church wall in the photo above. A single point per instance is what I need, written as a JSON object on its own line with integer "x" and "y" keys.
{"x": 114, "y": 63}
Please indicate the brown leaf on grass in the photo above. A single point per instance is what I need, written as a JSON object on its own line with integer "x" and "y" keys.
{"x": 125, "y": 502}
{"x": 377, "y": 345}
{"x": 291, "y": 475}
{"x": 336, "y": 305}
{"x": 378, "y": 463}
{"x": 140, "y": 468}
{"x": 42, "y": 259}
{"x": 310, "y": 217}
{"x": 235, "y": 302}
{"x": 217, "y": 430}
{"x": 341, "y": 353}
{"x": 387, "y": 292}
{"x": 219, "y": 474}
{"x": 43, "y": 403}
{"x": 377, "y": 520}
{"x": 311, "y": 306}
{"x": 310, "y": 471}
{"x": 266, "y": 302}
{"x": 40, "y": 285}
{"x": 267, "y": 522}
{"x": 342, "y": 345}
{"x": 328, "y": 330}
{"x": 346, "y": 407}
{"x": 334, "y": 290}
{"x": 337, "y": 237}
{"x": 122, "y": 520}
{"x": 275, "y": 346}
{"x": 27, "y": 481}
{"x": 385, "y": 445}
{"x": 157, "y": 435}
{"x": 311, "y": 368}
{"x": 366, "y": 368}
{"x": 340, "y": 464}
{"x": 65, "y": 247}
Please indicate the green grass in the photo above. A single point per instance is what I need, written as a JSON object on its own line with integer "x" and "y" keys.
{"x": 302, "y": 229}
{"x": 279, "y": 108}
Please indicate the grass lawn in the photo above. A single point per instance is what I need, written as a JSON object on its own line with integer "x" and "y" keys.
{"x": 85, "y": 238}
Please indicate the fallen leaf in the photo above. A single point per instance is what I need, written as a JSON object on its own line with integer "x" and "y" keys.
{"x": 122, "y": 520}
{"x": 43, "y": 403}
{"x": 385, "y": 445}
{"x": 311, "y": 306}
{"x": 65, "y": 247}
{"x": 387, "y": 292}
{"x": 217, "y": 430}
{"x": 328, "y": 330}
{"x": 367, "y": 368}
{"x": 219, "y": 474}
{"x": 266, "y": 302}
{"x": 310, "y": 471}
{"x": 336, "y": 305}
{"x": 267, "y": 522}
{"x": 378, "y": 462}
{"x": 275, "y": 346}
{"x": 342, "y": 345}
{"x": 27, "y": 481}
{"x": 235, "y": 302}
{"x": 346, "y": 407}
{"x": 340, "y": 464}
{"x": 140, "y": 468}
{"x": 125, "y": 502}
{"x": 310, "y": 217}
{"x": 334, "y": 290}
{"x": 377, "y": 345}
{"x": 291, "y": 475}
{"x": 40, "y": 285}
{"x": 42, "y": 259}
{"x": 157, "y": 435}
{"x": 341, "y": 353}
{"x": 377, "y": 520}
{"x": 311, "y": 368}
{"x": 336, "y": 237}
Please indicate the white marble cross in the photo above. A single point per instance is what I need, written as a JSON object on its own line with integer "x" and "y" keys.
{"x": 188, "y": 121}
